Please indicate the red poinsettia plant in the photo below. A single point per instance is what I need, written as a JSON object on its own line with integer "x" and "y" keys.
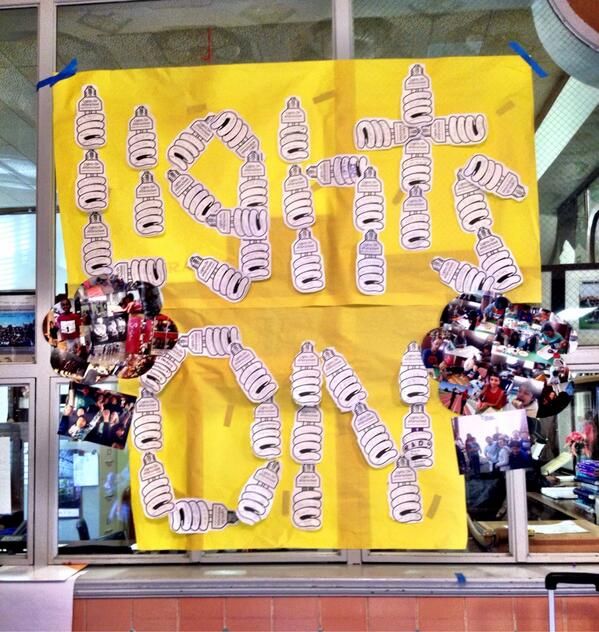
{"x": 577, "y": 443}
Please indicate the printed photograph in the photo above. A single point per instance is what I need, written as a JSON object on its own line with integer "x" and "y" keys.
{"x": 17, "y": 328}
{"x": 589, "y": 298}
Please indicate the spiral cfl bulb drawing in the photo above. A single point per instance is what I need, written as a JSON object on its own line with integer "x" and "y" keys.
{"x": 496, "y": 260}
{"x": 338, "y": 171}
{"x": 251, "y": 374}
{"x": 265, "y": 431}
{"x": 253, "y": 186}
{"x": 149, "y": 208}
{"x": 494, "y": 177}
{"x": 417, "y": 442}
{"x": 96, "y": 249}
{"x": 307, "y": 435}
{"x": 234, "y": 132}
{"x": 459, "y": 129}
{"x": 257, "y": 495}
{"x": 193, "y": 197}
{"x": 403, "y": 493}
{"x": 417, "y": 98}
{"x": 374, "y": 440}
{"x": 306, "y": 377}
{"x": 294, "y": 141}
{"x": 307, "y": 270}
{"x": 220, "y": 278}
{"x": 244, "y": 223}
{"x": 90, "y": 122}
{"x": 164, "y": 369}
{"x": 306, "y": 504}
{"x": 371, "y": 267}
{"x": 342, "y": 383}
{"x": 462, "y": 276}
{"x": 413, "y": 377}
{"x": 369, "y": 202}
{"x": 196, "y": 515}
{"x": 471, "y": 206}
{"x": 210, "y": 341}
{"x": 298, "y": 207}
{"x": 255, "y": 259}
{"x": 415, "y": 223}
{"x": 371, "y": 133}
{"x": 191, "y": 143}
{"x": 146, "y": 424}
{"x": 92, "y": 190}
{"x": 142, "y": 146}
{"x": 156, "y": 491}
{"x": 149, "y": 270}
{"x": 416, "y": 167}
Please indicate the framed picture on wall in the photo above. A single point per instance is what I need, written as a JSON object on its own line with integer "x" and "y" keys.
{"x": 17, "y": 327}
{"x": 588, "y": 297}
{"x": 582, "y": 294}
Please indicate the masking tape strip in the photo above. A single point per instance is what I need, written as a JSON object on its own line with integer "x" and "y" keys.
{"x": 432, "y": 510}
{"x": 323, "y": 96}
{"x": 229, "y": 414}
{"x": 68, "y": 71}
{"x": 520, "y": 50}
{"x": 286, "y": 502}
{"x": 508, "y": 105}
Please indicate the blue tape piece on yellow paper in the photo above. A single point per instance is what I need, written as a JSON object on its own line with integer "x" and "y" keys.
{"x": 520, "y": 50}
{"x": 461, "y": 578}
{"x": 68, "y": 71}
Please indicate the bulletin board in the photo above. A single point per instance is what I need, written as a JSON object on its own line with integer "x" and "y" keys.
{"x": 421, "y": 182}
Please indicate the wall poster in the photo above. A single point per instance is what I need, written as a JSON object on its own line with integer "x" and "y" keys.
{"x": 306, "y": 223}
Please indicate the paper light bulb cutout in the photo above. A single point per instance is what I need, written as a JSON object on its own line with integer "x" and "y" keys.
{"x": 149, "y": 208}
{"x": 150, "y": 270}
{"x": 298, "y": 207}
{"x": 234, "y": 132}
{"x": 265, "y": 432}
{"x": 338, "y": 171}
{"x": 381, "y": 133}
{"x": 245, "y": 223}
{"x": 306, "y": 377}
{"x": 371, "y": 268}
{"x": 96, "y": 249}
{"x": 416, "y": 167}
{"x": 211, "y": 342}
{"x": 342, "y": 383}
{"x": 369, "y": 202}
{"x": 494, "y": 177}
{"x": 256, "y": 498}
{"x": 220, "y": 278}
{"x": 403, "y": 493}
{"x": 459, "y": 129}
{"x": 374, "y": 441}
{"x": 471, "y": 206}
{"x": 190, "y": 144}
{"x": 417, "y": 442}
{"x": 294, "y": 140}
{"x": 92, "y": 190}
{"x": 90, "y": 122}
{"x": 462, "y": 276}
{"x": 417, "y": 98}
{"x": 251, "y": 374}
{"x": 193, "y": 197}
{"x": 415, "y": 223}
{"x": 307, "y": 435}
{"x": 306, "y": 504}
{"x": 164, "y": 369}
{"x": 497, "y": 261}
{"x": 195, "y": 515}
{"x": 307, "y": 270}
{"x": 255, "y": 259}
{"x": 253, "y": 186}
{"x": 156, "y": 493}
{"x": 146, "y": 424}
{"x": 413, "y": 377}
{"x": 142, "y": 147}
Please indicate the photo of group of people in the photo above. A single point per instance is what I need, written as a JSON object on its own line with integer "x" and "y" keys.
{"x": 492, "y": 443}
{"x": 17, "y": 328}
{"x": 109, "y": 328}
{"x": 589, "y": 300}
{"x": 491, "y": 355}
{"x": 96, "y": 415}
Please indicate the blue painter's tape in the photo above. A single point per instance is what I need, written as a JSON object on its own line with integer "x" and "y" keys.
{"x": 461, "y": 578}
{"x": 520, "y": 50}
{"x": 68, "y": 71}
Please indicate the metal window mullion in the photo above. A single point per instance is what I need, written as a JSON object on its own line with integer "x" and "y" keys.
{"x": 45, "y": 267}
{"x": 343, "y": 29}
{"x": 517, "y": 514}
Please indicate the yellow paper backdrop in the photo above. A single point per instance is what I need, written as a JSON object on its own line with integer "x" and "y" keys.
{"x": 206, "y": 417}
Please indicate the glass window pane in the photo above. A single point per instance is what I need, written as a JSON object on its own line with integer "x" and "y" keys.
{"x": 17, "y": 251}
{"x": 14, "y": 467}
{"x": 170, "y": 33}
